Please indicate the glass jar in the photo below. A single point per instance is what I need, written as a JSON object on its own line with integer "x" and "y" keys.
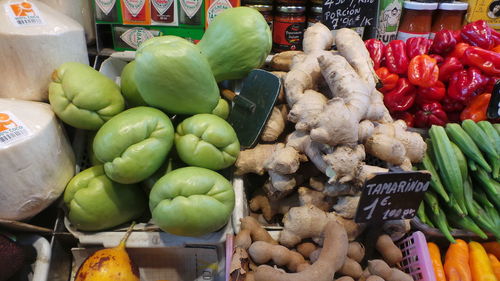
{"x": 288, "y": 29}
{"x": 316, "y": 2}
{"x": 256, "y": 2}
{"x": 266, "y": 11}
{"x": 416, "y": 20}
{"x": 291, "y": 2}
{"x": 449, "y": 16}
{"x": 314, "y": 15}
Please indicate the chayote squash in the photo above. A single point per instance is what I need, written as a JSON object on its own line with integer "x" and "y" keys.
{"x": 191, "y": 201}
{"x": 173, "y": 75}
{"x": 128, "y": 87}
{"x": 95, "y": 202}
{"x": 237, "y": 41}
{"x": 83, "y": 97}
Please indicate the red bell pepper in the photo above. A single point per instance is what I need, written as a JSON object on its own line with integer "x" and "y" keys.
{"x": 439, "y": 59}
{"x": 459, "y": 50}
{"x": 496, "y": 49}
{"x": 431, "y": 94}
{"x": 476, "y": 109}
{"x": 376, "y": 49}
{"x": 395, "y": 57}
{"x": 388, "y": 80}
{"x": 465, "y": 83}
{"x": 430, "y": 114}
{"x": 417, "y": 46}
{"x": 405, "y": 116}
{"x": 402, "y": 97}
{"x": 491, "y": 83}
{"x": 487, "y": 61}
{"x": 448, "y": 67}
{"x": 450, "y": 105}
{"x": 453, "y": 117}
{"x": 444, "y": 42}
{"x": 423, "y": 71}
{"x": 478, "y": 34}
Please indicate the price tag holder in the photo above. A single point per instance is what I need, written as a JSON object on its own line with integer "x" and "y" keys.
{"x": 338, "y": 14}
{"x": 494, "y": 106}
{"x": 392, "y": 196}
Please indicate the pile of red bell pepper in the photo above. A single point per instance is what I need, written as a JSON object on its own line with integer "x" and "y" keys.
{"x": 432, "y": 82}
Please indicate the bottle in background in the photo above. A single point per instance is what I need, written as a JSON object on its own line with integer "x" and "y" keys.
{"x": 190, "y": 12}
{"x": 388, "y": 19}
{"x": 163, "y": 12}
{"x": 107, "y": 11}
{"x": 136, "y": 12}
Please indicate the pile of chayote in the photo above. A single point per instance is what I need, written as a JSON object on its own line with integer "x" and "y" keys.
{"x": 134, "y": 148}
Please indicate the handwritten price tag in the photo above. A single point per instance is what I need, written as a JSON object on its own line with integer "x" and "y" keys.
{"x": 392, "y": 196}
{"x": 349, "y": 13}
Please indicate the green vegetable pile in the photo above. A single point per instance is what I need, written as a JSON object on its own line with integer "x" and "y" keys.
{"x": 465, "y": 166}
{"x": 134, "y": 147}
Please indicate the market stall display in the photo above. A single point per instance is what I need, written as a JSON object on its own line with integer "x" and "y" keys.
{"x": 161, "y": 140}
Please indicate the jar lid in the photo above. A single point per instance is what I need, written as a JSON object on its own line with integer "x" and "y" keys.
{"x": 291, "y": 9}
{"x": 317, "y": 9}
{"x": 454, "y": 6}
{"x": 412, "y": 5}
{"x": 261, "y": 8}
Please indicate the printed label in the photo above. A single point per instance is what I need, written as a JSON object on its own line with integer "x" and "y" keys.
{"x": 135, "y": 36}
{"x": 388, "y": 21}
{"x": 288, "y": 36}
{"x": 405, "y": 35}
{"x": 106, "y": 6}
{"x": 162, "y": 6}
{"x": 134, "y": 6}
{"x": 191, "y": 7}
{"x": 11, "y": 129}
{"x": 216, "y": 8}
{"x": 24, "y": 13}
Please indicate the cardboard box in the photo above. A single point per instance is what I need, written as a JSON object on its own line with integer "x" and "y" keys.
{"x": 172, "y": 264}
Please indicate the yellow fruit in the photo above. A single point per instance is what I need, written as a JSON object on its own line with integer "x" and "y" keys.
{"x": 112, "y": 264}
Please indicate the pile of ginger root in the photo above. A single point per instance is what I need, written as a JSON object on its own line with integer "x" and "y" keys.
{"x": 328, "y": 117}
{"x": 328, "y": 254}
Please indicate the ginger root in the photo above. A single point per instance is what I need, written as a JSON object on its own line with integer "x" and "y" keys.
{"x": 329, "y": 261}
{"x": 252, "y": 160}
{"x": 316, "y": 198}
{"x": 345, "y": 162}
{"x": 283, "y": 61}
{"x": 308, "y": 222}
{"x": 359, "y": 58}
{"x": 275, "y": 125}
{"x": 262, "y": 252}
{"x": 306, "y": 110}
{"x": 346, "y": 206}
{"x": 281, "y": 96}
{"x": 251, "y": 230}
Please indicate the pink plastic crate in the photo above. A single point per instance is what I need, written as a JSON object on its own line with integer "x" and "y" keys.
{"x": 416, "y": 257}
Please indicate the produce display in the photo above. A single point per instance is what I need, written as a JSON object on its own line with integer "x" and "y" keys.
{"x": 332, "y": 256}
{"x": 150, "y": 140}
{"x": 465, "y": 166}
{"x": 435, "y": 81}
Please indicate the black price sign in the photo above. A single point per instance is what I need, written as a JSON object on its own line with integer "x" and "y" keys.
{"x": 392, "y": 196}
{"x": 494, "y": 106}
{"x": 349, "y": 13}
